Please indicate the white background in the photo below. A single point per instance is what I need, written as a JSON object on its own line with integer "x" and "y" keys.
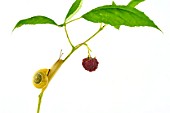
{"x": 134, "y": 63}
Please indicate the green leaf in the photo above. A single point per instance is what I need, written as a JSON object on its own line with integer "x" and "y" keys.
{"x": 119, "y": 15}
{"x": 113, "y": 3}
{"x": 35, "y": 20}
{"x": 134, "y": 3}
{"x": 117, "y": 27}
{"x": 73, "y": 9}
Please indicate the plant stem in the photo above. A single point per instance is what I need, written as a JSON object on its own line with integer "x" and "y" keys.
{"x": 74, "y": 48}
{"x": 79, "y": 45}
{"x": 68, "y": 36}
{"x": 89, "y": 50}
{"x": 100, "y": 29}
{"x": 65, "y": 23}
{"x": 73, "y": 20}
{"x": 39, "y": 101}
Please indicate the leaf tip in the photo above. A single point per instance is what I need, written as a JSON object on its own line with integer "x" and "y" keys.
{"x": 73, "y": 9}
{"x": 14, "y": 28}
{"x": 159, "y": 29}
{"x": 113, "y": 3}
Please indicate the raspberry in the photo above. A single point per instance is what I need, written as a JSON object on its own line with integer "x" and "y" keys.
{"x": 90, "y": 64}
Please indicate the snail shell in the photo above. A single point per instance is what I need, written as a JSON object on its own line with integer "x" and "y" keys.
{"x": 40, "y": 78}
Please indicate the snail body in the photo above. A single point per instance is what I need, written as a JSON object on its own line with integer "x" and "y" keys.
{"x": 55, "y": 68}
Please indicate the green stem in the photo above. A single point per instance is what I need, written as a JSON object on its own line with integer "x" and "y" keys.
{"x": 79, "y": 45}
{"x": 89, "y": 50}
{"x": 68, "y": 36}
{"x": 69, "y": 54}
{"x": 74, "y": 48}
{"x": 39, "y": 101}
{"x": 100, "y": 29}
{"x": 61, "y": 25}
{"x": 73, "y": 20}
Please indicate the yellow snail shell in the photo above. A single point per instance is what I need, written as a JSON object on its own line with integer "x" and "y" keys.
{"x": 40, "y": 78}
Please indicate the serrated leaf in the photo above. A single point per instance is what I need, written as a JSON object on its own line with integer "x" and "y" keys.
{"x": 113, "y": 3}
{"x": 35, "y": 20}
{"x": 119, "y": 15}
{"x": 73, "y": 9}
{"x": 134, "y": 3}
{"x": 117, "y": 27}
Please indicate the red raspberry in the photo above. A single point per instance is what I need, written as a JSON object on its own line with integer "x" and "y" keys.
{"x": 90, "y": 64}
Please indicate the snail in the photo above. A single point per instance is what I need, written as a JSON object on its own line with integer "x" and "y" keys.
{"x": 42, "y": 77}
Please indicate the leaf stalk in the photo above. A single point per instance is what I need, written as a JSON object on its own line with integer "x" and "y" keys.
{"x": 68, "y": 36}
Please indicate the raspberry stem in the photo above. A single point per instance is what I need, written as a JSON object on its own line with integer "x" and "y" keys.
{"x": 74, "y": 48}
{"x": 73, "y": 20}
{"x": 79, "y": 45}
{"x": 89, "y": 50}
{"x": 68, "y": 36}
{"x": 39, "y": 101}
